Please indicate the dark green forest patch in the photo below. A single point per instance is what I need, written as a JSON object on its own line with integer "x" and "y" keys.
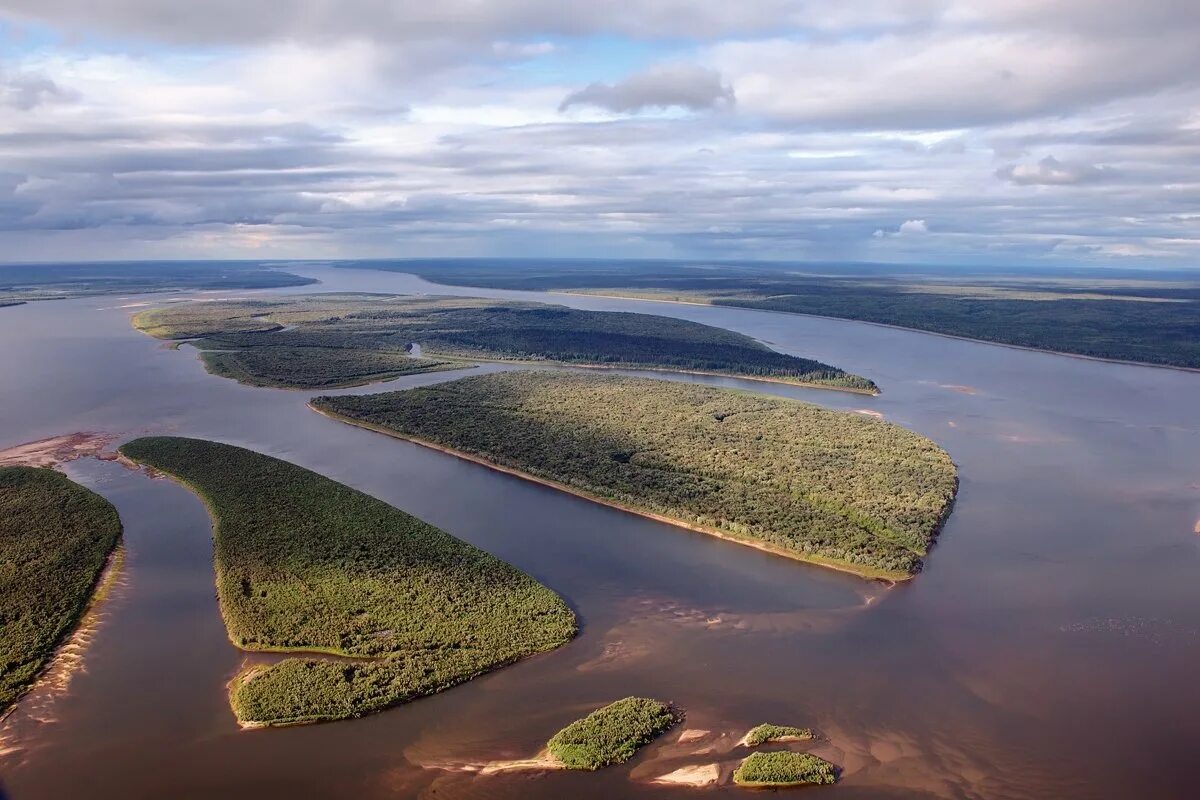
{"x": 612, "y": 734}
{"x": 305, "y": 564}
{"x": 55, "y": 537}
{"x": 833, "y": 488}
{"x": 345, "y": 339}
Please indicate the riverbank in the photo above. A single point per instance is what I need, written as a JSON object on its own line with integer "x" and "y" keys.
{"x": 1026, "y": 348}
{"x": 857, "y": 570}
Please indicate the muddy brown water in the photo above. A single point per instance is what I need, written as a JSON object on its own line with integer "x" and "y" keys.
{"x": 1050, "y": 648}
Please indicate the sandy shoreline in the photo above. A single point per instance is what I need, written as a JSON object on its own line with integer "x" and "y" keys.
{"x": 56, "y": 449}
{"x": 867, "y": 574}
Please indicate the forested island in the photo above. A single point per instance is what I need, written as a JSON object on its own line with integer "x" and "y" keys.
{"x": 344, "y": 340}
{"x": 783, "y": 769}
{"x": 1136, "y": 315}
{"x": 833, "y": 488}
{"x": 612, "y": 734}
{"x": 55, "y": 539}
{"x": 309, "y": 566}
{"x": 24, "y": 282}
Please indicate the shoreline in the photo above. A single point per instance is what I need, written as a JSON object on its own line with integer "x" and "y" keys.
{"x": 672, "y": 370}
{"x": 827, "y": 563}
{"x": 69, "y": 653}
{"x": 1027, "y": 348}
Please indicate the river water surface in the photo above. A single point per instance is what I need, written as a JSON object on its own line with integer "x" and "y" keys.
{"x": 1049, "y": 649}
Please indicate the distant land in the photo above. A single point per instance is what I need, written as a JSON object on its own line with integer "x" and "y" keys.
{"x": 1143, "y": 316}
{"x": 21, "y": 283}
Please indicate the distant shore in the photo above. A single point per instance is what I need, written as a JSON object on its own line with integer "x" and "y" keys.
{"x": 960, "y": 338}
{"x": 857, "y": 570}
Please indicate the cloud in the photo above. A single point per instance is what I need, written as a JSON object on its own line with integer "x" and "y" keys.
{"x": 664, "y": 86}
{"x": 26, "y": 91}
{"x": 1052, "y": 172}
{"x": 913, "y": 227}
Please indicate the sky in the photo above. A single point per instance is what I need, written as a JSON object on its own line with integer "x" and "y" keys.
{"x": 940, "y": 131}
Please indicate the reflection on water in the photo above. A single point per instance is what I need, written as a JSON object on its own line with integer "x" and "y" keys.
{"x": 1052, "y": 637}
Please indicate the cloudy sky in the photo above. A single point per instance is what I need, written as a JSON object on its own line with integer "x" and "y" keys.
{"x": 954, "y": 131}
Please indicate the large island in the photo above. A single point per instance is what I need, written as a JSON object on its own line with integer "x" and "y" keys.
{"x": 306, "y": 565}
{"x": 832, "y": 488}
{"x": 344, "y": 340}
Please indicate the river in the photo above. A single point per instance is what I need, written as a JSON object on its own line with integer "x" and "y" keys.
{"x": 1049, "y": 649}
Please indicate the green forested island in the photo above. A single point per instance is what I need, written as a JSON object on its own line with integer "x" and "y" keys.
{"x": 833, "y": 488}
{"x": 1148, "y": 316}
{"x": 340, "y": 340}
{"x": 55, "y": 538}
{"x": 23, "y": 282}
{"x": 612, "y": 734}
{"x": 783, "y": 769}
{"x": 308, "y": 565}
{"x": 766, "y": 733}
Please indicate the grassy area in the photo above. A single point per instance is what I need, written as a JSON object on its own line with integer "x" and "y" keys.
{"x": 762, "y": 734}
{"x": 305, "y": 564}
{"x": 834, "y": 488}
{"x": 22, "y": 282}
{"x": 611, "y": 735}
{"x": 283, "y": 341}
{"x": 1134, "y": 315}
{"x": 55, "y": 537}
{"x": 764, "y": 770}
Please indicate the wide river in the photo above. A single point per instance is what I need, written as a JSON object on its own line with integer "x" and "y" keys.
{"x": 1051, "y": 647}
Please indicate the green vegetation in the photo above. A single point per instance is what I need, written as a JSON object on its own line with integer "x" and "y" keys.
{"x": 305, "y": 564}
{"x": 611, "y": 735}
{"x": 335, "y": 340}
{"x": 780, "y": 769}
{"x": 22, "y": 282}
{"x": 1133, "y": 315}
{"x": 55, "y": 537}
{"x": 762, "y": 734}
{"x": 829, "y": 487}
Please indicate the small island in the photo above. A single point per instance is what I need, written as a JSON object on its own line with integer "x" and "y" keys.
{"x": 783, "y": 769}
{"x": 612, "y": 734}
{"x": 55, "y": 539}
{"x": 766, "y": 733}
{"x": 330, "y": 341}
{"x": 836, "y": 489}
{"x": 309, "y": 566}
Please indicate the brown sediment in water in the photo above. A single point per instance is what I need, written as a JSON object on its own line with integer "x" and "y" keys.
{"x": 542, "y": 762}
{"x": 866, "y": 573}
{"x": 691, "y": 735}
{"x": 56, "y": 449}
{"x": 956, "y": 387}
{"x": 869, "y": 413}
{"x": 36, "y": 703}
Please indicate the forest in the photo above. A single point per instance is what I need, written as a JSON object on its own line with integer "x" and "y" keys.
{"x": 307, "y": 565}
{"x": 833, "y": 488}
{"x": 23, "y": 282}
{"x": 783, "y": 768}
{"x": 1150, "y": 316}
{"x": 340, "y": 340}
{"x": 612, "y": 734}
{"x": 55, "y": 537}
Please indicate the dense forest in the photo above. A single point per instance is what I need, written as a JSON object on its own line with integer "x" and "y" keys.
{"x": 306, "y": 564}
{"x": 612, "y": 734}
{"x": 1135, "y": 315}
{"x": 824, "y": 486}
{"x": 339, "y": 340}
{"x": 22, "y": 282}
{"x": 765, "y": 733}
{"x": 782, "y": 769}
{"x": 55, "y": 537}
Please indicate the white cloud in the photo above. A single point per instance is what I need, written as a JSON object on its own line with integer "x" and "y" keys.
{"x": 664, "y": 86}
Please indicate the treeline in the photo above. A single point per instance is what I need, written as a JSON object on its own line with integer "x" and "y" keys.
{"x": 289, "y": 336}
{"x": 307, "y": 564}
{"x": 55, "y": 537}
{"x": 612, "y": 734}
{"x": 819, "y": 485}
